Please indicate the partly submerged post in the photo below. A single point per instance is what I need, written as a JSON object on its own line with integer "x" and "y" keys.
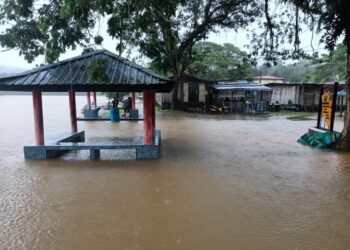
{"x": 38, "y": 117}
{"x": 319, "y": 113}
{"x": 73, "y": 111}
{"x": 95, "y": 100}
{"x": 341, "y": 106}
{"x": 88, "y": 100}
{"x": 133, "y": 101}
{"x": 334, "y": 105}
{"x": 147, "y": 117}
{"x": 153, "y": 107}
{"x": 134, "y": 113}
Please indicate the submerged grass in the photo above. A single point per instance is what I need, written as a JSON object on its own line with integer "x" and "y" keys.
{"x": 295, "y": 116}
{"x": 290, "y": 115}
{"x": 300, "y": 118}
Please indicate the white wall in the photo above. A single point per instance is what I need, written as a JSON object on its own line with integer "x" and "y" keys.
{"x": 185, "y": 92}
{"x": 202, "y": 92}
{"x": 284, "y": 94}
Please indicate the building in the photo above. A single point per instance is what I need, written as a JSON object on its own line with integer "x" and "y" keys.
{"x": 195, "y": 94}
{"x": 191, "y": 92}
{"x": 265, "y": 79}
{"x": 240, "y": 96}
{"x": 298, "y": 96}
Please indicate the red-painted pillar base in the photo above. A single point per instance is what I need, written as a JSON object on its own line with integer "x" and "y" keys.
{"x": 38, "y": 117}
{"x": 153, "y": 107}
{"x": 88, "y": 100}
{"x": 73, "y": 111}
{"x": 95, "y": 100}
{"x": 133, "y": 102}
{"x": 147, "y": 117}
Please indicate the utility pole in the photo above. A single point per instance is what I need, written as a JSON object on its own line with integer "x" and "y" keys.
{"x": 260, "y": 76}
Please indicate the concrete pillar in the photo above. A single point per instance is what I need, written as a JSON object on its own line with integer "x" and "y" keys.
{"x": 153, "y": 108}
{"x": 95, "y": 154}
{"x": 133, "y": 101}
{"x": 147, "y": 117}
{"x": 73, "y": 111}
{"x": 88, "y": 100}
{"x": 95, "y": 100}
{"x": 38, "y": 117}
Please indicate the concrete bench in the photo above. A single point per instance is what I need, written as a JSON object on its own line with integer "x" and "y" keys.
{"x": 317, "y": 130}
{"x": 65, "y": 145}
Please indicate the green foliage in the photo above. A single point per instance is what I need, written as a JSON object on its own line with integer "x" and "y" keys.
{"x": 98, "y": 40}
{"x": 281, "y": 30}
{"x": 296, "y": 72}
{"x": 167, "y": 31}
{"x": 118, "y": 95}
{"x": 48, "y": 29}
{"x": 97, "y": 70}
{"x": 214, "y": 61}
{"x": 325, "y": 69}
{"x": 87, "y": 50}
{"x": 330, "y": 68}
{"x": 164, "y": 31}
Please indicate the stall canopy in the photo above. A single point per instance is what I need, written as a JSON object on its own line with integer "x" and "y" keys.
{"x": 240, "y": 86}
{"x": 76, "y": 74}
{"x": 341, "y": 93}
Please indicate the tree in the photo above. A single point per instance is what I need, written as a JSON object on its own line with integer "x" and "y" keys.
{"x": 327, "y": 68}
{"x": 294, "y": 72}
{"x": 214, "y": 61}
{"x": 329, "y": 17}
{"x": 164, "y": 31}
{"x": 330, "y": 68}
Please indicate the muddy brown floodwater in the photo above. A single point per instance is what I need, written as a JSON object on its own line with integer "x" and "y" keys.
{"x": 223, "y": 182}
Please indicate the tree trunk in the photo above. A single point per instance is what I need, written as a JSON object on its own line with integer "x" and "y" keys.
{"x": 178, "y": 95}
{"x": 174, "y": 97}
{"x": 344, "y": 143}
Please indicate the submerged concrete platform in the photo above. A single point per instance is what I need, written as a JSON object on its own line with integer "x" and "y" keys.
{"x": 76, "y": 142}
{"x": 122, "y": 118}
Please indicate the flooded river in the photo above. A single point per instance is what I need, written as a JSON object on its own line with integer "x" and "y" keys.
{"x": 223, "y": 182}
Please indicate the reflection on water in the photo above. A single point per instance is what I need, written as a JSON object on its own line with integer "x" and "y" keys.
{"x": 223, "y": 182}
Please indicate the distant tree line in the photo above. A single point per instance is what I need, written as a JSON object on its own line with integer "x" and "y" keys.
{"x": 213, "y": 61}
{"x": 324, "y": 69}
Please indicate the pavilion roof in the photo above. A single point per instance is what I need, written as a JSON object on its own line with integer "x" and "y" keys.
{"x": 75, "y": 74}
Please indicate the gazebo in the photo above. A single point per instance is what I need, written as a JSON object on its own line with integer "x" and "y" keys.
{"x": 78, "y": 74}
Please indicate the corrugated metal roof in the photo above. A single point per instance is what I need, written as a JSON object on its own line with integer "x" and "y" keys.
{"x": 267, "y": 77}
{"x": 240, "y": 86}
{"x": 235, "y": 82}
{"x": 74, "y": 74}
{"x": 341, "y": 93}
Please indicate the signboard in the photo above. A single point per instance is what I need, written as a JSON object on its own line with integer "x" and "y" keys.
{"x": 327, "y": 108}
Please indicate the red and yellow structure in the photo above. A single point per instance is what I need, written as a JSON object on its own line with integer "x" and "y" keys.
{"x": 71, "y": 76}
